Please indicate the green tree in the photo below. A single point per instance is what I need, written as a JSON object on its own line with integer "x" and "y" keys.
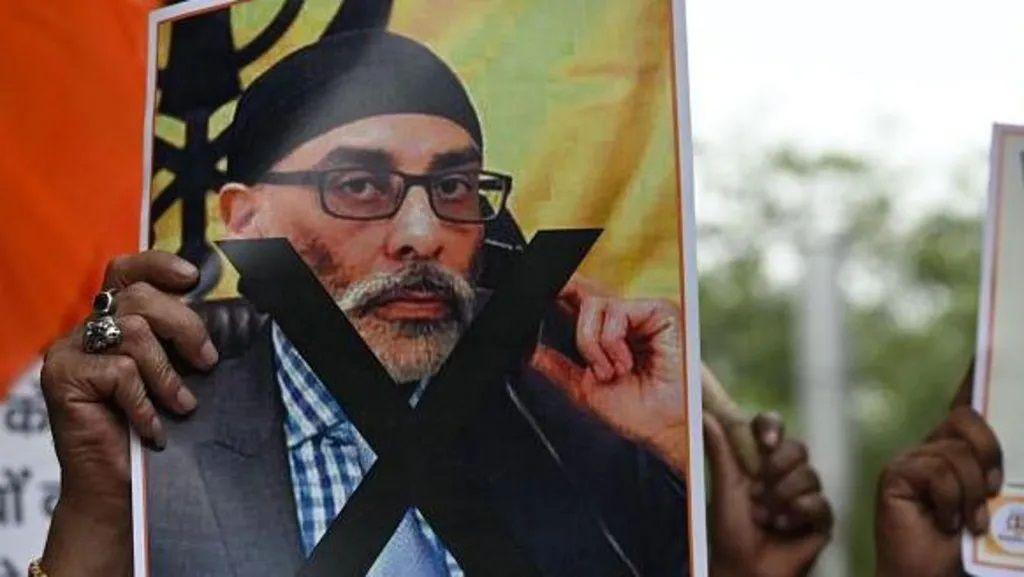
{"x": 911, "y": 304}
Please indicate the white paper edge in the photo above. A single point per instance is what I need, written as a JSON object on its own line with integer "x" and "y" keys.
{"x": 139, "y": 536}
{"x": 983, "y": 350}
{"x": 695, "y": 481}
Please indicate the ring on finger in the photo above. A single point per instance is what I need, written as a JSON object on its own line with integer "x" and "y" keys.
{"x": 102, "y": 331}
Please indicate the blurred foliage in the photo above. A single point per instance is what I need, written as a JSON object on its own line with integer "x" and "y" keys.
{"x": 911, "y": 302}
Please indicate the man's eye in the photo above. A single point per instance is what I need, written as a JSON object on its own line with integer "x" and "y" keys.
{"x": 453, "y": 187}
{"x": 358, "y": 187}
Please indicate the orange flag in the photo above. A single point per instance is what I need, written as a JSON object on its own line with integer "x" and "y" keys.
{"x": 72, "y": 93}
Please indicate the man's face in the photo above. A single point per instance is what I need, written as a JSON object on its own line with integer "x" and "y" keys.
{"x": 404, "y": 281}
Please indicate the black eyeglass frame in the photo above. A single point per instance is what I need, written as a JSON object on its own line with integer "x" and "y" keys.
{"x": 318, "y": 179}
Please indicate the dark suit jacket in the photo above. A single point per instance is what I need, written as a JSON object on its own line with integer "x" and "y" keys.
{"x": 577, "y": 498}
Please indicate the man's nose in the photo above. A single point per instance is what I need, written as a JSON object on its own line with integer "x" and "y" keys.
{"x": 415, "y": 229}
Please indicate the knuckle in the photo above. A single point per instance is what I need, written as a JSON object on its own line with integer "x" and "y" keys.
{"x": 791, "y": 453}
{"x": 50, "y": 372}
{"x": 117, "y": 265}
{"x": 121, "y": 369}
{"x": 193, "y": 324}
{"x": 166, "y": 375}
{"x": 584, "y": 341}
{"x": 609, "y": 340}
{"x": 592, "y": 305}
{"x": 138, "y": 291}
{"x": 134, "y": 326}
{"x": 947, "y": 489}
{"x": 894, "y": 470}
{"x": 802, "y": 454}
{"x": 140, "y": 404}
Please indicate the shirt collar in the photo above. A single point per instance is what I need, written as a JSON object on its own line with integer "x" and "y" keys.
{"x": 311, "y": 410}
{"x": 310, "y": 407}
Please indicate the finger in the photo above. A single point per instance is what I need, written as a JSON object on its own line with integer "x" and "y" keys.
{"x": 561, "y": 371}
{"x": 651, "y": 318}
{"x": 797, "y": 482}
{"x": 117, "y": 378}
{"x": 769, "y": 430}
{"x": 588, "y": 331}
{"x": 162, "y": 269}
{"x": 959, "y": 456}
{"x": 967, "y": 424}
{"x": 577, "y": 289}
{"x": 172, "y": 320}
{"x": 157, "y": 373}
{"x": 965, "y": 391}
{"x": 809, "y": 511}
{"x": 946, "y": 496}
{"x": 726, "y": 471}
{"x": 931, "y": 484}
{"x": 613, "y": 339}
{"x": 788, "y": 456}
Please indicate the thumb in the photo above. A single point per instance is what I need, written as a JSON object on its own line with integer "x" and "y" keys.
{"x": 966, "y": 388}
{"x": 560, "y": 370}
{"x": 726, "y": 470}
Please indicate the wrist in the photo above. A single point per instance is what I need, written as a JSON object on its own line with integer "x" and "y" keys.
{"x": 88, "y": 538}
{"x": 670, "y": 445}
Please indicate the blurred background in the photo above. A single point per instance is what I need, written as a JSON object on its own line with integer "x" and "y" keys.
{"x": 841, "y": 155}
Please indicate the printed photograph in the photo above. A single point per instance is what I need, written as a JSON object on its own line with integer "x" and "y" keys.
{"x": 442, "y": 267}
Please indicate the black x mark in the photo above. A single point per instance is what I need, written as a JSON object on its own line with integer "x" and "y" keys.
{"x": 414, "y": 467}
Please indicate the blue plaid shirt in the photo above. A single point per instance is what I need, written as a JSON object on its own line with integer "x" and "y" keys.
{"x": 327, "y": 455}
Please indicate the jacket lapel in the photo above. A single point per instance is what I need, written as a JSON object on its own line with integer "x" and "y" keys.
{"x": 546, "y": 510}
{"x": 246, "y": 472}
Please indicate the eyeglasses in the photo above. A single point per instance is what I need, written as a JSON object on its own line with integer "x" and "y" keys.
{"x": 460, "y": 196}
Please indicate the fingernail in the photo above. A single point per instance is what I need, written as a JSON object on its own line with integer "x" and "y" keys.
{"x": 771, "y": 438}
{"x": 186, "y": 400}
{"x": 981, "y": 519}
{"x": 781, "y": 522}
{"x": 209, "y": 354}
{"x": 185, "y": 268}
{"x": 995, "y": 481}
{"x": 156, "y": 430}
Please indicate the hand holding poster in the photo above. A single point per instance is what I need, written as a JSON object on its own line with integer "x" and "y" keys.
{"x": 463, "y": 329}
{"x": 998, "y": 391}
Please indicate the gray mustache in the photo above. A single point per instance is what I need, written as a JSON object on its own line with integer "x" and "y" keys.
{"x": 365, "y": 294}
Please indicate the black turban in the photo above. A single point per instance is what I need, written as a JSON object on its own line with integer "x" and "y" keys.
{"x": 335, "y": 81}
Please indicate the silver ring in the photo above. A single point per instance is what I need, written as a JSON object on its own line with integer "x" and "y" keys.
{"x": 101, "y": 333}
{"x": 101, "y": 330}
{"x": 104, "y": 303}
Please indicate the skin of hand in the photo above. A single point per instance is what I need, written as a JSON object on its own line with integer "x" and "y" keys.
{"x": 774, "y": 524}
{"x": 633, "y": 378}
{"x": 933, "y": 492}
{"x": 92, "y": 399}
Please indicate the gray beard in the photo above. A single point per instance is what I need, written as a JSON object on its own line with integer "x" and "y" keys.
{"x": 409, "y": 350}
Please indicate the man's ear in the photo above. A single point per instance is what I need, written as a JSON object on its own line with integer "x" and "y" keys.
{"x": 238, "y": 206}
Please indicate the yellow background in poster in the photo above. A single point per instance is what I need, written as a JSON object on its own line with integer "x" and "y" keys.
{"x": 576, "y": 101}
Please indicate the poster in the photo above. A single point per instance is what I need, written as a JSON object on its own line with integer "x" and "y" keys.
{"x": 998, "y": 394}
{"x": 447, "y": 260}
